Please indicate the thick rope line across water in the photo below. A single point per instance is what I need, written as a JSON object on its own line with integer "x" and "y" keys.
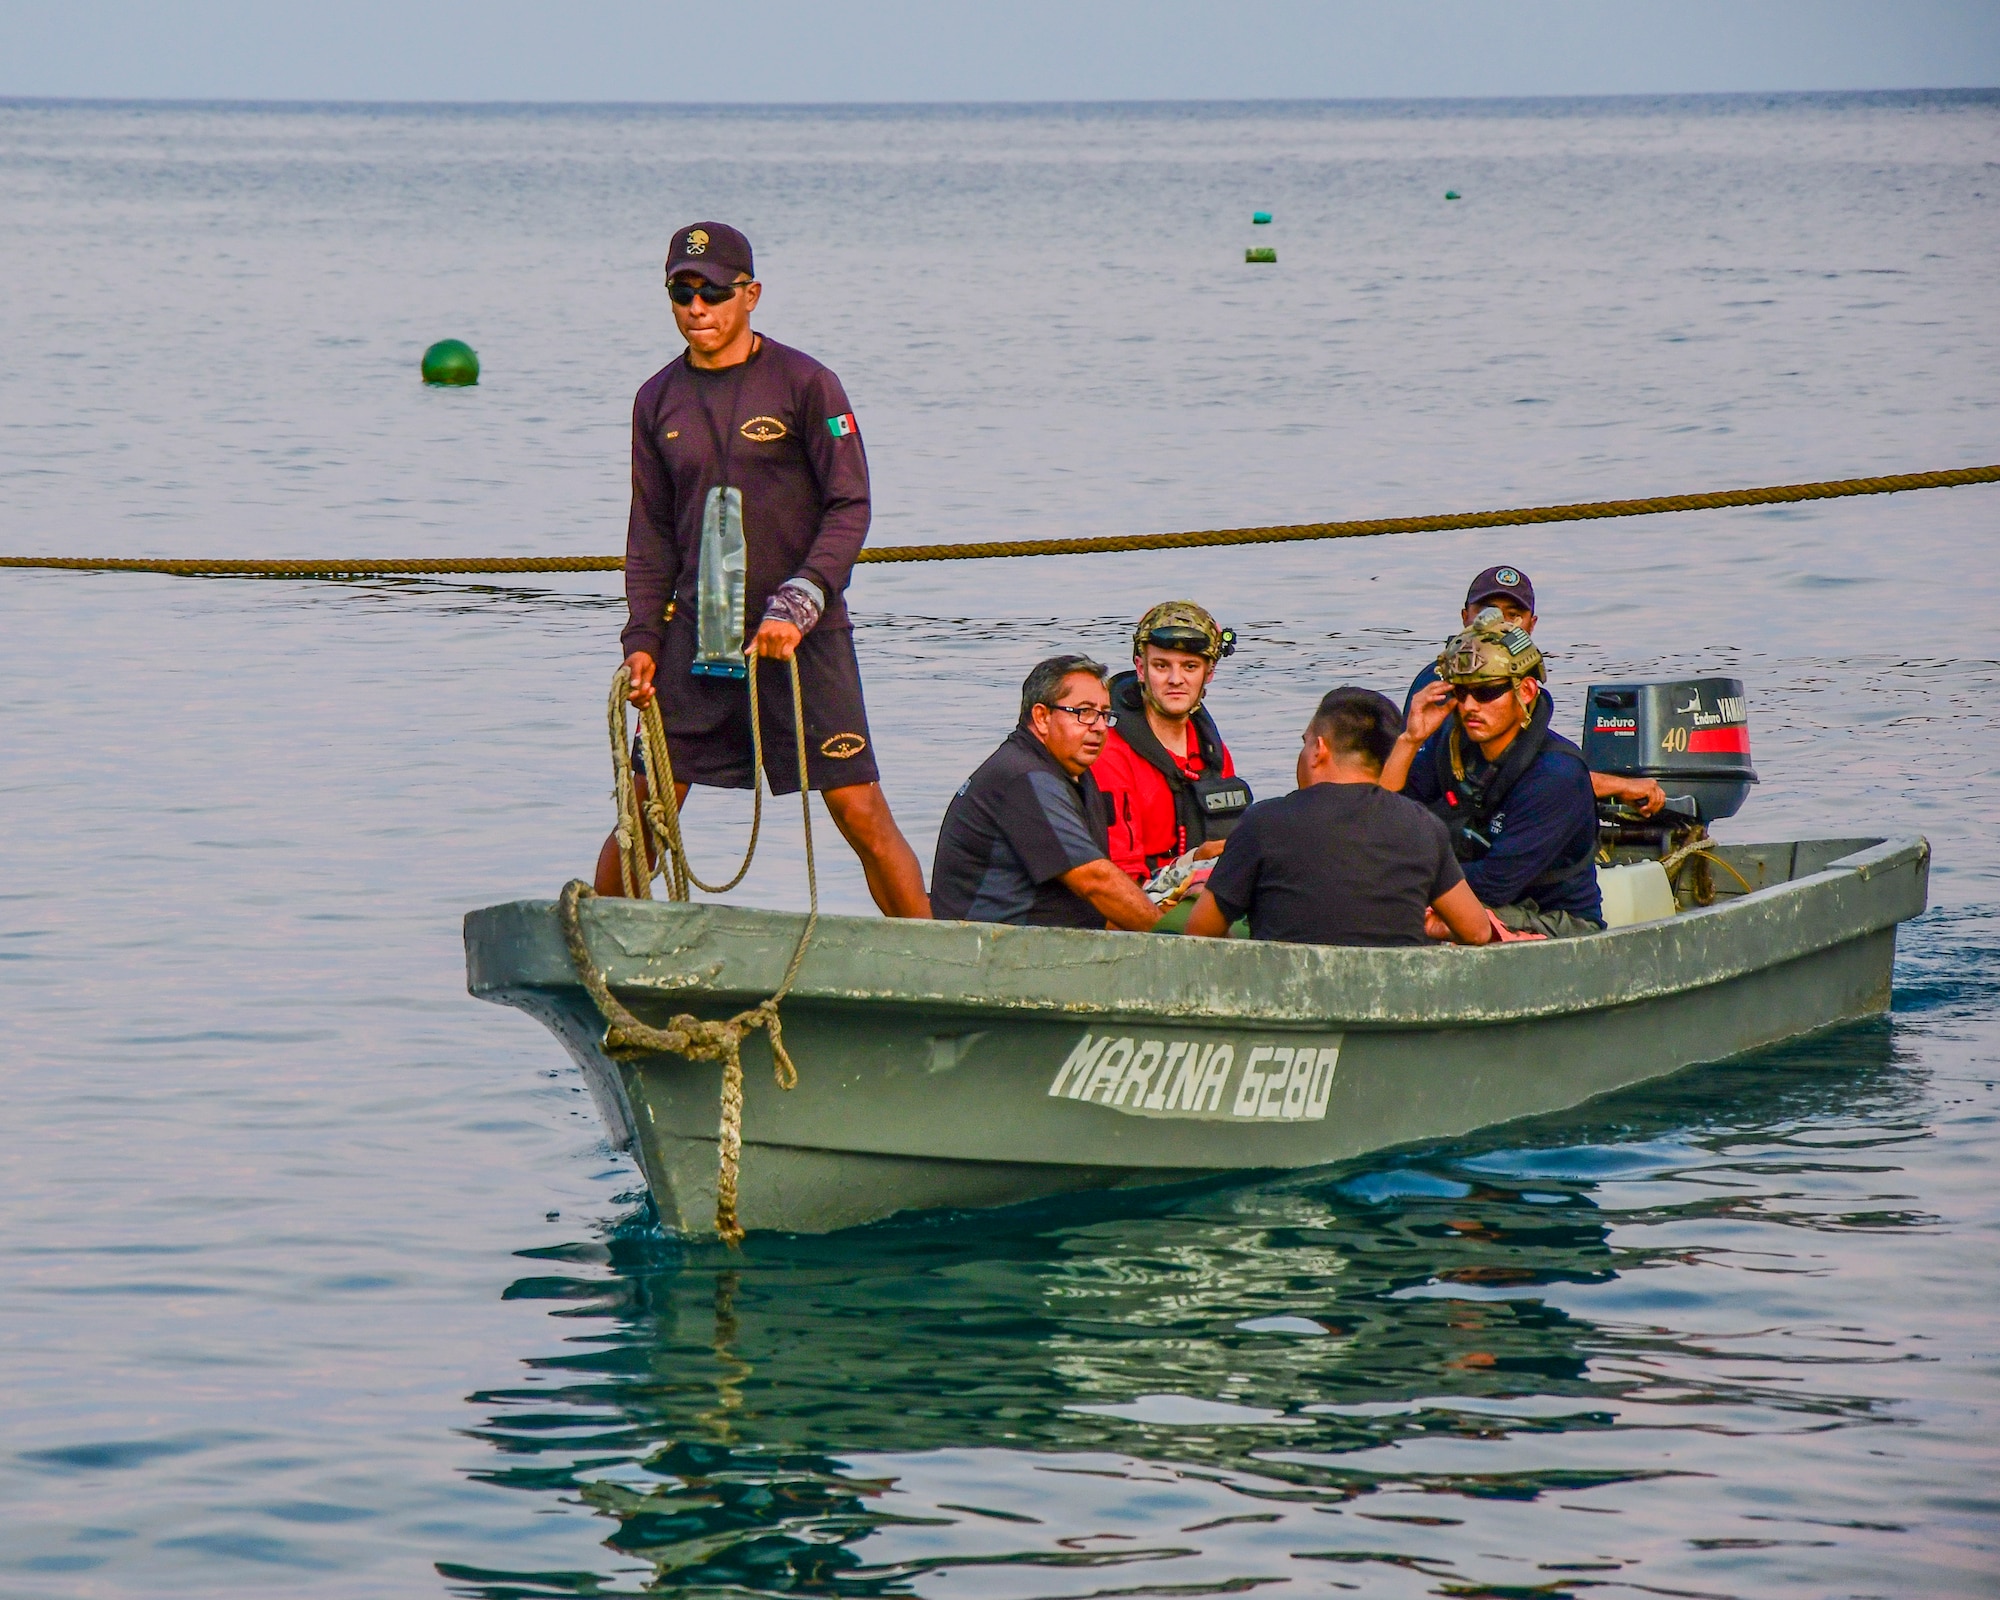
{"x": 986, "y": 550}
{"x": 687, "y": 1035}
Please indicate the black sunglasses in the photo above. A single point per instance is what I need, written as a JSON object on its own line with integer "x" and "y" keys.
{"x": 1484, "y": 693}
{"x": 712, "y": 294}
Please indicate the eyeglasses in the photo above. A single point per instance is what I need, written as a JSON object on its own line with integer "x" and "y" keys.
{"x": 712, "y": 294}
{"x": 1086, "y": 716}
{"x": 1484, "y": 693}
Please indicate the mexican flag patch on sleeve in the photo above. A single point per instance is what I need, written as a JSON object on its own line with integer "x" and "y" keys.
{"x": 843, "y": 425}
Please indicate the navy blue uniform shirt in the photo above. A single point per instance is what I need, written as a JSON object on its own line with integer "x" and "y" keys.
{"x": 1549, "y": 818}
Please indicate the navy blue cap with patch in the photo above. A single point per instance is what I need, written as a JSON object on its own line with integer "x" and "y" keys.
{"x": 712, "y": 250}
{"x": 1509, "y": 581}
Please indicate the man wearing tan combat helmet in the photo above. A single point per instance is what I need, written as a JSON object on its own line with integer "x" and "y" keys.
{"x": 1168, "y": 782}
{"x": 1514, "y": 794}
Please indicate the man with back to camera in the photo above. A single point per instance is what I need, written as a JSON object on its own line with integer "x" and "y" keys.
{"x": 1340, "y": 860}
{"x": 1168, "y": 783}
{"x": 1514, "y": 794}
{"x": 747, "y": 458}
{"x": 1507, "y": 590}
{"x": 1023, "y": 840}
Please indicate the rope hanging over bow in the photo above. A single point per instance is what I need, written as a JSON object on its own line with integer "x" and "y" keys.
{"x": 695, "y": 1039}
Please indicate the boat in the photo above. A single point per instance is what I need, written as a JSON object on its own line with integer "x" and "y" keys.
{"x": 970, "y": 1065}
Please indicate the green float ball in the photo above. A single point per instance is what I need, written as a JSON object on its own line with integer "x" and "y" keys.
{"x": 1260, "y": 217}
{"x": 451, "y": 361}
{"x": 1451, "y": 194}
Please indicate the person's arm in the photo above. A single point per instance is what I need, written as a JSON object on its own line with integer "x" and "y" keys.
{"x": 652, "y": 554}
{"x": 1428, "y": 712}
{"x": 1114, "y": 894}
{"x": 1232, "y": 882}
{"x": 1457, "y": 915}
{"x": 1208, "y": 920}
{"x": 1643, "y": 795}
{"x": 840, "y": 467}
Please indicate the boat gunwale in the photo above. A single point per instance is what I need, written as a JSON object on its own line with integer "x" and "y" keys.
{"x": 998, "y": 970}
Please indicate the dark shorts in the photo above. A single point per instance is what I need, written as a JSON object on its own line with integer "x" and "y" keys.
{"x": 708, "y": 719}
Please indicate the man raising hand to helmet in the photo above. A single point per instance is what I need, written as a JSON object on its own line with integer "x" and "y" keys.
{"x": 1168, "y": 783}
{"x": 1514, "y": 794}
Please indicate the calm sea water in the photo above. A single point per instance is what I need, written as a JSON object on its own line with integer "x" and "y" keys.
{"x": 319, "y": 1278}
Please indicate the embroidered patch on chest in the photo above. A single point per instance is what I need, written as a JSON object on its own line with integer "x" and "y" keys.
{"x": 764, "y": 430}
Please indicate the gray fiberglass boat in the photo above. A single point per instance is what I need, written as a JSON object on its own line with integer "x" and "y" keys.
{"x": 952, "y": 1064}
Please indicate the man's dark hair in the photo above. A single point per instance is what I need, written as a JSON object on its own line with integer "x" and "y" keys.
{"x": 1043, "y": 686}
{"x": 1358, "y": 722}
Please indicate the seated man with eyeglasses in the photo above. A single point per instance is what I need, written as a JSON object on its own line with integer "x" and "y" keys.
{"x": 1023, "y": 840}
{"x": 1515, "y": 795}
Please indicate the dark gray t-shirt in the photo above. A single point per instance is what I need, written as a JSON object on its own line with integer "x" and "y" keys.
{"x": 1338, "y": 863}
{"x": 1010, "y": 833}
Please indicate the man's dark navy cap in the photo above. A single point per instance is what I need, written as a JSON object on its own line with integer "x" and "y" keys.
{"x": 1509, "y": 581}
{"x": 714, "y": 250}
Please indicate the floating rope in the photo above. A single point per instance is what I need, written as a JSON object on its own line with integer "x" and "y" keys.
{"x": 625, "y": 1035}
{"x": 1366, "y": 528}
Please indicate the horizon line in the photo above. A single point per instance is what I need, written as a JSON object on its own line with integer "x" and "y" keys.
{"x": 326, "y": 102}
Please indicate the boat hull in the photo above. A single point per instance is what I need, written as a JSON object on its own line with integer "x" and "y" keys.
{"x": 954, "y": 1065}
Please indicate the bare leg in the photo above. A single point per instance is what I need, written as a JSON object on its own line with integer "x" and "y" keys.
{"x": 861, "y": 812}
{"x": 609, "y": 880}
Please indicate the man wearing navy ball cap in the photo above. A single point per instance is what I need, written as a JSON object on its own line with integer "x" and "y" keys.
{"x": 1507, "y": 590}
{"x": 745, "y": 453}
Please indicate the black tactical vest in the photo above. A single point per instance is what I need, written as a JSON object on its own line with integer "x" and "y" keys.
{"x": 1205, "y": 808}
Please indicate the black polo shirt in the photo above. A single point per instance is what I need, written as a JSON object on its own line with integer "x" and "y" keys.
{"x": 1335, "y": 863}
{"x": 1010, "y": 833}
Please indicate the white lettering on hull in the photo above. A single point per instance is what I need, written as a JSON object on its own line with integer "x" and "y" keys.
{"x": 1155, "y": 1077}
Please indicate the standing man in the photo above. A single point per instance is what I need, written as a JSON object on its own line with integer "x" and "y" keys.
{"x": 1167, "y": 780}
{"x": 1023, "y": 839}
{"x": 750, "y": 502}
{"x": 1507, "y": 590}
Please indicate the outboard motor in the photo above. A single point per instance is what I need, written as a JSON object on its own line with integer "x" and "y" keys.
{"x": 1692, "y": 734}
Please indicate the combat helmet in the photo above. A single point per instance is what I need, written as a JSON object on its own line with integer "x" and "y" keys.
{"x": 1490, "y": 652}
{"x": 1183, "y": 625}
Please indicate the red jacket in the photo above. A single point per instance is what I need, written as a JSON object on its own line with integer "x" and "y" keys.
{"x": 1145, "y": 832}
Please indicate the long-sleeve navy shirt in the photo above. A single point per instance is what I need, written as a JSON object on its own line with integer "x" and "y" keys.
{"x": 778, "y": 428}
{"x": 1550, "y": 817}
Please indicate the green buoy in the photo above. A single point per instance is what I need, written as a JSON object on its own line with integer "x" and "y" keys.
{"x": 1451, "y": 194}
{"x": 451, "y": 361}
{"x": 1260, "y": 217}
{"x": 1265, "y": 255}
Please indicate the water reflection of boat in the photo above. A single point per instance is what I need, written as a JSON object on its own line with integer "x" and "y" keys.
{"x": 735, "y": 1422}
{"x": 968, "y": 1065}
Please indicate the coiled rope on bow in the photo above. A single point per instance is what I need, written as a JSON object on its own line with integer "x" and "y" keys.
{"x": 686, "y": 1035}
{"x": 980, "y": 550}
{"x": 662, "y": 808}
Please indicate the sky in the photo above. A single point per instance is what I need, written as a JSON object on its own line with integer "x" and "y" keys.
{"x": 969, "y": 50}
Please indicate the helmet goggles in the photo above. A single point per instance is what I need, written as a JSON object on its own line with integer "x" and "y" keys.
{"x": 1184, "y": 626}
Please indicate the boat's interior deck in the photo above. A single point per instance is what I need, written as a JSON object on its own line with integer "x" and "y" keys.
{"x": 1726, "y": 871}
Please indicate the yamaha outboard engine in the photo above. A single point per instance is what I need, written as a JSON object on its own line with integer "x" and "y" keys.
{"x": 1692, "y": 734}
